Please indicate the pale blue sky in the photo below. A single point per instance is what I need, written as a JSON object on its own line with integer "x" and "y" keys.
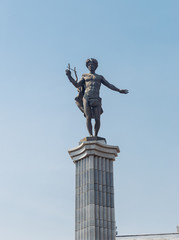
{"x": 137, "y": 45}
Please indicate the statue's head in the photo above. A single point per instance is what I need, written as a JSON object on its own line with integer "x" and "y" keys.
{"x": 91, "y": 63}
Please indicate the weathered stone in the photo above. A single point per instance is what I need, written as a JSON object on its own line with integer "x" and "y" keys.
{"x": 95, "y": 218}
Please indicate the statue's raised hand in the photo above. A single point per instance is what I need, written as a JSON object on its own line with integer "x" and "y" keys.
{"x": 124, "y": 91}
{"x": 68, "y": 73}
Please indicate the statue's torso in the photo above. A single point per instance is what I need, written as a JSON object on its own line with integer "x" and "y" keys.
{"x": 92, "y": 85}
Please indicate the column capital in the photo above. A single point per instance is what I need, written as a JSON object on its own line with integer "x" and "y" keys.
{"x": 95, "y": 148}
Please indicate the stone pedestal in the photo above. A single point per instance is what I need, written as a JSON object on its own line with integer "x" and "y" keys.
{"x": 94, "y": 207}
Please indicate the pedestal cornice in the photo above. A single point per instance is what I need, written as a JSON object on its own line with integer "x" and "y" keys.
{"x": 95, "y": 148}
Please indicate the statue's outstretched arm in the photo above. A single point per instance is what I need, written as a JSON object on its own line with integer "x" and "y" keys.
{"x": 112, "y": 87}
{"x": 72, "y": 80}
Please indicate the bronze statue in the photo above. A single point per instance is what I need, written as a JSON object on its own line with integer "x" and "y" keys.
{"x": 88, "y": 99}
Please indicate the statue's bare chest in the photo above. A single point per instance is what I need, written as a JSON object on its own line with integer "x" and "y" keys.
{"x": 92, "y": 81}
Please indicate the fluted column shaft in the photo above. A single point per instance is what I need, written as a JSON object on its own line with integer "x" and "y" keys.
{"x": 94, "y": 207}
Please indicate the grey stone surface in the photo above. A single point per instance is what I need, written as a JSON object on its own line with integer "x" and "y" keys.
{"x": 161, "y": 236}
{"x": 94, "y": 218}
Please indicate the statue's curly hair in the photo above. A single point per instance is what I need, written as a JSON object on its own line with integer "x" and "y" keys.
{"x": 91, "y": 60}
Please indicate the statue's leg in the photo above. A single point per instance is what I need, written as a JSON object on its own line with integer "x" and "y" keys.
{"x": 97, "y": 119}
{"x": 87, "y": 111}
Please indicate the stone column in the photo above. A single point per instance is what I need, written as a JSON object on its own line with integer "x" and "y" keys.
{"x": 94, "y": 206}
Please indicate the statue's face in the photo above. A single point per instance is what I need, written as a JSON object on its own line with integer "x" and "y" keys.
{"x": 91, "y": 66}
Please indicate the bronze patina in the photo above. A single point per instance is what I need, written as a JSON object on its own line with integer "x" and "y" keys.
{"x": 88, "y": 99}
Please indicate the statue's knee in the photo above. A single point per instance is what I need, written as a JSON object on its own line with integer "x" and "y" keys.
{"x": 97, "y": 119}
